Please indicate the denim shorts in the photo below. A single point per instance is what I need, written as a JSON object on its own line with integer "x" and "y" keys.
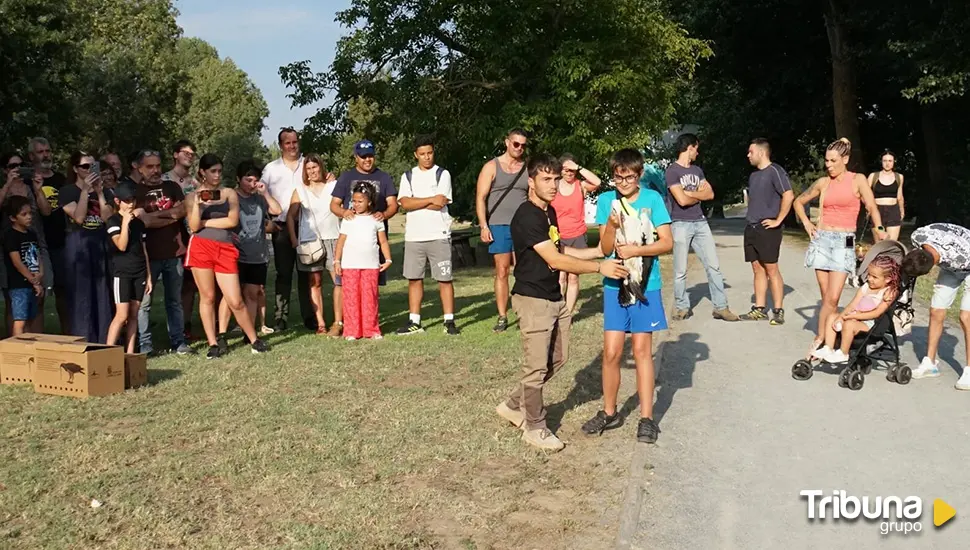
{"x": 947, "y": 286}
{"x": 23, "y": 304}
{"x": 830, "y": 251}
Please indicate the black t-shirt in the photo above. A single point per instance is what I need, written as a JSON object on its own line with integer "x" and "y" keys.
{"x": 164, "y": 243}
{"x": 26, "y": 245}
{"x": 530, "y": 226}
{"x": 129, "y": 262}
{"x": 92, "y": 219}
{"x": 55, "y": 225}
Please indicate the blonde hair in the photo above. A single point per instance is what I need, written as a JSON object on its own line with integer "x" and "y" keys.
{"x": 843, "y": 147}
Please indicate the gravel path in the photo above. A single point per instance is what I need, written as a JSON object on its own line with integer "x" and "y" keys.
{"x": 741, "y": 438}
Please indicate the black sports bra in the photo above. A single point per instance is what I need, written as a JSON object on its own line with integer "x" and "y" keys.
{"x": 882, "y": 191}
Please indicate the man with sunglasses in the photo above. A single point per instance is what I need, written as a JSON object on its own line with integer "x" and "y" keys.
{"x": 162, "y": 210}
{"x": 183, "y": 157}
{"x": 502, "y": 188}
{"x": 55, "y": 228}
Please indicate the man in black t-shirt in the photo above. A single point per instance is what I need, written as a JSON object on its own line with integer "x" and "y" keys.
{"x": 55, "y": 228}
{"x": 544, "y": 320}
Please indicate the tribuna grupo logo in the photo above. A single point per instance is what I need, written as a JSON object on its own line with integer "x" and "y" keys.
{"x": 895, "y": 514}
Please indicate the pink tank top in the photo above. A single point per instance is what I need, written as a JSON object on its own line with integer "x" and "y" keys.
{"x": 571, "y": 212}
{"x": 841, "y": 206}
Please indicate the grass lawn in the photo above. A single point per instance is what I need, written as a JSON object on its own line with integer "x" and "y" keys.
{"x": 321, "y": 444}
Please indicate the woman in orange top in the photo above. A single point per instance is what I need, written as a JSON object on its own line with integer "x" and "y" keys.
{"x": 831, "y": 252}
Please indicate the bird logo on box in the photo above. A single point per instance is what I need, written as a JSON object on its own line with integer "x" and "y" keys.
{"x": 72, "y": 369}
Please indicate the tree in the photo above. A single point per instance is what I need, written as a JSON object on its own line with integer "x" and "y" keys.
{"x": 469, "y": 71}
{"x": 222, "y": 111}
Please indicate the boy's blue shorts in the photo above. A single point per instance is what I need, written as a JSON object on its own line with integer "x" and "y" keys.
{"x": 636, "y": 319}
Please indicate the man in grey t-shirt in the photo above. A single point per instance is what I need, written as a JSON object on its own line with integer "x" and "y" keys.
{"x": 770, "y": 197}
{"x": 688, "y": 188}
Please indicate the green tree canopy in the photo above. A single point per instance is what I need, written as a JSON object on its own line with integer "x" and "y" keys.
{"x": 469, "y": 71}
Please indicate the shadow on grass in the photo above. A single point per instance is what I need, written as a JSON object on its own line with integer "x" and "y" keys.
{"x": 674, "y": 363}
{"x": 158, "y": 376}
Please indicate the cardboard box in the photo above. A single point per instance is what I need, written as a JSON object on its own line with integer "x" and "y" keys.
{"x": 17, "y": 356}
{"x": 136, "y": 370}
{"x": 78, "y": 369}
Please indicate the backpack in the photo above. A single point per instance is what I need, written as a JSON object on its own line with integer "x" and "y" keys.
{"x": 437, "y": 177}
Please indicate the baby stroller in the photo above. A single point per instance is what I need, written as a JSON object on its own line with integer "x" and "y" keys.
{"x": 881, "y": 343}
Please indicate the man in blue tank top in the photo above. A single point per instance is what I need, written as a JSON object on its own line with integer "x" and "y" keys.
{"x": 502, "y": 188}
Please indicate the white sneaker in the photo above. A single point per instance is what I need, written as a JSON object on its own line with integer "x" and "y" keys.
{"x": 837, "y": 357}
{"x": 823, "y": 353}
{"x": 350, "y": 338}
{"x": 927, "y": 369}
{"x": 543, "y": 439}
{"x": 964, "y": 382}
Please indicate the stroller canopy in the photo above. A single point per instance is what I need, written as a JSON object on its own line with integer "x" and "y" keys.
{"x": 894, "y": 249}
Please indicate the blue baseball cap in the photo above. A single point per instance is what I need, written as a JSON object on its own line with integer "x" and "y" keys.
{"x": 364, "y": 148}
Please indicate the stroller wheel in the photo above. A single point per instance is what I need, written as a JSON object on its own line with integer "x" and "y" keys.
{"x": 856, "y": 380}
{"x": 844, "y": 377}
{"x": 903, "y": 375}
{"x": 864, "y": 364}
{"x": 891, "y": 373}
{"x": 802, "y": 370}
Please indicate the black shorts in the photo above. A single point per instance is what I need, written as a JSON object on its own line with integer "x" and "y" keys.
{"x": 128, "y": 289}
{"x": 761, "y": 244}
{"x": 890, "y": 215}
{"x": 253, "y": 274}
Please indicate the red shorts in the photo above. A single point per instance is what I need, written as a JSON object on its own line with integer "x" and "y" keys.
{"x": 205, "y": 253}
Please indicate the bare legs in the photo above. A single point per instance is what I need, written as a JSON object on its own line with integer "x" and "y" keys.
{"x": 569, "y": 285}
{"x": 503, "y": 266}
{"x": 206, "y": 281}
{"x": 316, "y": 297}
{"x": 126, "y": 318}
{"x": 646, "y": 373}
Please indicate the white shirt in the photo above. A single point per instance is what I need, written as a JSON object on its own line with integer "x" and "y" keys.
{"x": 316, "y": 219}
{"x": 281, "y": 181}
{"x": 426, "y": 224}
{"x": 361, "y": 248}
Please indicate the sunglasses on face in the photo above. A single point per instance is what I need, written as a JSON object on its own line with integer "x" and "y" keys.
{"x": 85, "y": 166}
{"x": 187, "y": 152}
{"x": 518, "y": 144}
{"x": 14, "y": 165}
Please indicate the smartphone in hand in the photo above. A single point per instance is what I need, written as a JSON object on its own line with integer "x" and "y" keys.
{"x": 207, "y": 195}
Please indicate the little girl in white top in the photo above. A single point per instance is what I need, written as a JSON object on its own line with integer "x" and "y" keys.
{"x": 871, "y": 302}
{"x": 357, "y": 263}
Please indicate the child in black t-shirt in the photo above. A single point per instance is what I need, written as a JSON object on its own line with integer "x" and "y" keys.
{"x": 21, "y": 256}
{"x": 131, "y": 278}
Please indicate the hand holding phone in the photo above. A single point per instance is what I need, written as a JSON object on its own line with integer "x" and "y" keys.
{"x": 209, "y": 195}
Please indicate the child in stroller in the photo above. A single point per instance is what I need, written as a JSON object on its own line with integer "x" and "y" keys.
{"x": 871, "y": 302}
{"x": 867, "y": 329}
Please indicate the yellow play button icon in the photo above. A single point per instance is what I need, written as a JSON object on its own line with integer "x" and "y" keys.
{"x": 942, "y": 512}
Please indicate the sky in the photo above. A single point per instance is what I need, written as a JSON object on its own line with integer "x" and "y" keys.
{"x": 261, "y": 36}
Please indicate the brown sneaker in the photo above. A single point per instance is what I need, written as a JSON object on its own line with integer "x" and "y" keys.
{"x": 516, "y": 418}
{"x": 726, "y": 315}
{"x": 543, "y": 439}
{"x": 681, "y": 315}
{"x": 336, "y": 330}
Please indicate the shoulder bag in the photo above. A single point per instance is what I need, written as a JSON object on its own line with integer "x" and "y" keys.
{"x": 310, "y": 252}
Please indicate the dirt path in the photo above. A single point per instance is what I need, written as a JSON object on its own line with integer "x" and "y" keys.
{"x": 741, "y": 438}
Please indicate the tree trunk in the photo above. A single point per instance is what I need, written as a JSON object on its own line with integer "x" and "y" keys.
{"x": 930, "y": 169}
{"x": 844, "y": 102}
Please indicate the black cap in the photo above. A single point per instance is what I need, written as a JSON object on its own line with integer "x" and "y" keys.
{"x": 125, "y": 191}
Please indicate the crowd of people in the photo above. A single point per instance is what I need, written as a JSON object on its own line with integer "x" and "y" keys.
{"x": 101, "y": 238}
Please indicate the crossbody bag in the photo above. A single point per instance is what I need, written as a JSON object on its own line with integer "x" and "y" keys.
{"x": 488, "y": 215}
{"x": 310, "y": 252}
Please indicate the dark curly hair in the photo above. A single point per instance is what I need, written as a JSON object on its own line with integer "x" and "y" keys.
{"x": 367, "y": 189}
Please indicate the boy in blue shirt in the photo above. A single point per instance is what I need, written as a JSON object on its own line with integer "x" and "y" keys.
{"x": 642, "y": 318}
